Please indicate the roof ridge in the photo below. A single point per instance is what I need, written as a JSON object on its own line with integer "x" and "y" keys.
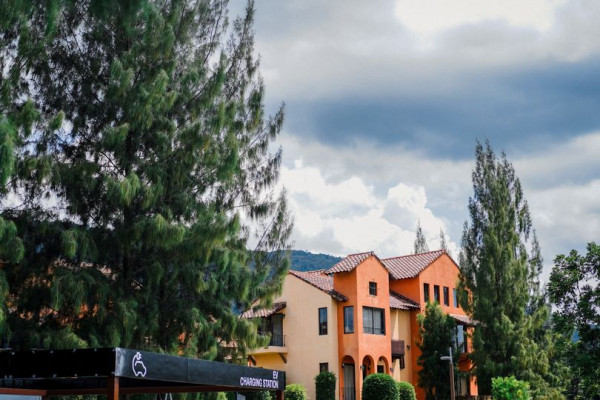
{"x": 416, "y": 254}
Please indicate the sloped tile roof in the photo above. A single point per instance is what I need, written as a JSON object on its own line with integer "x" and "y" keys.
{"x": 321, "y": 281}
{"x": 399, "y": 302}
{"x": 263, "y": 313}
{"x": 350, "y": 262}
{"x": 411, "y": 265}
{"x": 463, "y": 319}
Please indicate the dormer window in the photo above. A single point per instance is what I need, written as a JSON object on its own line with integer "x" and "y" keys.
{"x": 373, "y": 288}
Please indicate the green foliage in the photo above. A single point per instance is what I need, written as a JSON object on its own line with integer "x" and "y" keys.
{"x": 325, "y": 386}
{"x": 436, "y": 329}
{"x": 420, "y": 241}
{"x": 509, "y": 388}
{"x": 406, "y": 391}
{"x": 295, "y": 391}
{"x": 500, "y": 264}
{"x": 379, "y": 387}
{"x": 135, "y": 134}
{"x": 250, "y": 395}
{"x": 305, "y": 261}
{"x": 574, "y": 289}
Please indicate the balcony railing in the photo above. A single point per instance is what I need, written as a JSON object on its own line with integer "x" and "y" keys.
{"x": 276, "y": 339}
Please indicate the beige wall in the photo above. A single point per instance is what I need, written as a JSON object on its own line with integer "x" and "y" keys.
{"x": 306, "y": 348}
{"x": 400, "y": 321}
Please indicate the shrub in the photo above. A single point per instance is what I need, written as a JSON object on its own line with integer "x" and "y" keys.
{"x": 509, "y": 389}
{"x": 379, "y": 387}
{"x": 325, "y": 386}
{"x": 295, "y": 391}
{"x": 406, "y": 391}
{"x": 250, "y": 395}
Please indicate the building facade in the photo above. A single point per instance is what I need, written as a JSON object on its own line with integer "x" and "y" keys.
{"x": 358, "y": 318}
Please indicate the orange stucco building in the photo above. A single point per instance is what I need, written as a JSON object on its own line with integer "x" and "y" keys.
{"x": 360, "y": 317}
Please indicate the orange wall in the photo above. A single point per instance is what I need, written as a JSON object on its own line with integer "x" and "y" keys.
{"x": 360, "y": 345}
{"x": 444, "y": 273}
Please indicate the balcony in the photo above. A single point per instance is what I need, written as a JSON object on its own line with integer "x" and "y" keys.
{"x": 276, "y": 345}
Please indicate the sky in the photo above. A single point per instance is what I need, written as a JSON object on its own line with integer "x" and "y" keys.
{"x": 386, "y": 99}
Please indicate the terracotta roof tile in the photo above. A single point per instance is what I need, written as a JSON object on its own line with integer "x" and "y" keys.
{"x": 350, "y": 262}
{"x": 411, "y": 265}
{"x": 400, "y": 302}
{"x": 321, "y": 281}
{"x": 463, "y": 319}
{"x": 263, "y": 313}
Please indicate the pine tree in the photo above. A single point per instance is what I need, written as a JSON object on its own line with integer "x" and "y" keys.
{"x": 146, "y": 176}
{"x": 443, "y": 242}
{"x": 499, "y": 281}
{"x": 420, "y": 242}
{"x": 436, "y": 330}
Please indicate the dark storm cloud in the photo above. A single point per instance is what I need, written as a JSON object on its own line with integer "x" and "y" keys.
{"x": 530, "y": 107}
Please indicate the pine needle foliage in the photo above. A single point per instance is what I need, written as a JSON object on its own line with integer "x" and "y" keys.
{"x": 137, "y": 141}
{"x": 436, "y": 330}
{"x": 420, "y": 244}
{"x": 500, "y": 264}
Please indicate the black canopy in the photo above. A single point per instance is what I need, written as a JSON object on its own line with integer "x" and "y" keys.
{"x": 117, "y": 371}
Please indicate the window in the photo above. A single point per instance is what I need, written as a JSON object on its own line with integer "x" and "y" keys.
{"x": 426, "y": 292}
{"x": 455, "y": 294}
{"x": 323, "y": 367}
{"x": 349, "y": 319}
{"x": 323, "y": 321}
{"x": 460, "y": 341}
{"x": 446, "y": 296}
{"x": 373, "y": 321}
{"x": 373, "y": 288}
{"x": 436, "y": 294}
{"x": 380, "y": 369}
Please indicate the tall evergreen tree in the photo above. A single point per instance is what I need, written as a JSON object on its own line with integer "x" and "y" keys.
{"x": 443, "y": 242}
{"x": 420, "y": 242}
{"x": 499, "y": 281}
{"x": 145, "y": 176}
{"x": 436, "y": 329}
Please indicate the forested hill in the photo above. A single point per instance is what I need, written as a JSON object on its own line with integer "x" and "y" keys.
{"x": 304, "y": 261}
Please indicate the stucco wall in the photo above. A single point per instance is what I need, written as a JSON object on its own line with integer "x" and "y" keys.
{"x": 306, "y": 348}
{"x": 401, "y": 330}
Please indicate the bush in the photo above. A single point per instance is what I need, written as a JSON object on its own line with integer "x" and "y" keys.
{"x": 325, "y": 386}
{"x": 406, "y": 391}
{"x": 379, "y": 387}
{"x": 509, "y": 389}
{"x": 295, "y": 391}
{"x": 250, "y": 395}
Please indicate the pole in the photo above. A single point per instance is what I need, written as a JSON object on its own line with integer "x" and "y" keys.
{"x": 451, "y": 364}
{"x": 452, "y": 395}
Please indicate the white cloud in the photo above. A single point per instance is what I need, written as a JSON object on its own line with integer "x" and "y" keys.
{"x": 347, "y": 216}
{"x": 428, "y": 18}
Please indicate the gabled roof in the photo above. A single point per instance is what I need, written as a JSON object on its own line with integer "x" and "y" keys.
{"x": 263, "y": 313}
{"x": 321, "y": 281}
{"x": 399, "y": 302}
{"x": 410, "y": 266}
{"x": 350, "y": 262}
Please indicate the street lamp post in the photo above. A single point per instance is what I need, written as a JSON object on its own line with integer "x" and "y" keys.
{"x": 449, "y": 358}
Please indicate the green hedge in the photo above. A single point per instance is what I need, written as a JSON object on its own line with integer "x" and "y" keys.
{"x": 406, "y": 391}
{"x": 325, "y": 386}
{"x": 295, "y": 391}
{"x": 509, "y": 389}
{"x": 379, "y": 387}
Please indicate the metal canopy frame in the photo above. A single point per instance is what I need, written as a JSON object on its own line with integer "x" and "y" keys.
{"x": 116, "y": 371}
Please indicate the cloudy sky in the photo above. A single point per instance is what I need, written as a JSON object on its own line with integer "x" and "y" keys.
{"x": 386, "y": 99}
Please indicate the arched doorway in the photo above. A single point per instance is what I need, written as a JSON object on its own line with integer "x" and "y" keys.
{"x": 348, "y": 380}
{"x": 382, "y": 366}
{"x": 367, "y": 366}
